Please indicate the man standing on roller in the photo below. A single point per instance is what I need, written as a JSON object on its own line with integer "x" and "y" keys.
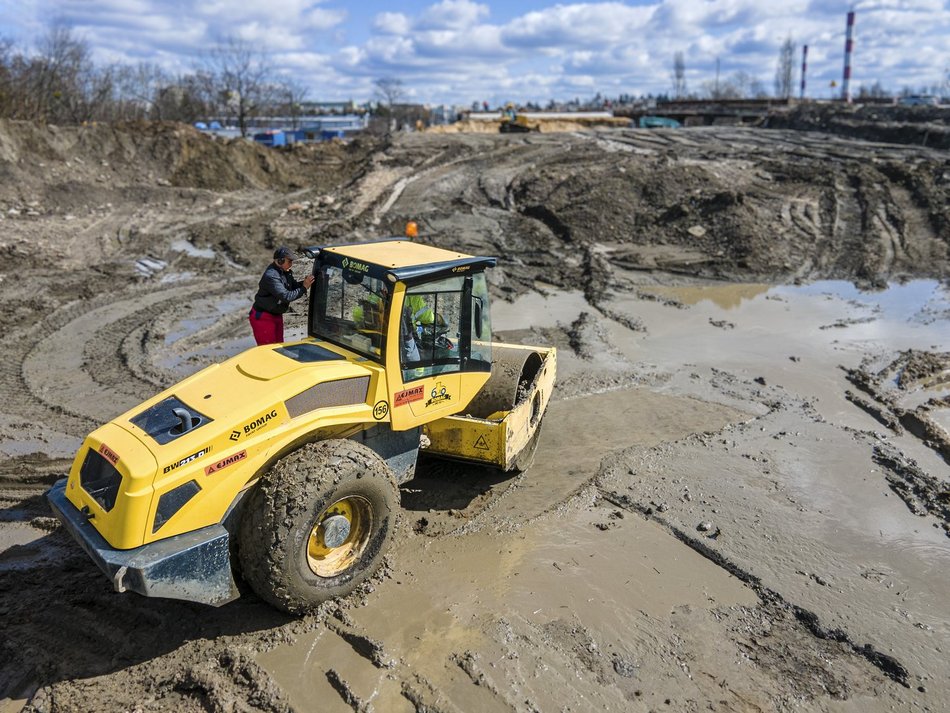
{"x": 276, "y": 290}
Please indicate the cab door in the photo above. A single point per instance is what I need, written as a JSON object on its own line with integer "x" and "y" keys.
{"x": 434, "y": 371}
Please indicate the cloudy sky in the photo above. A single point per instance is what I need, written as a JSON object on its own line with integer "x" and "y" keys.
{"x": 460, "y": 51}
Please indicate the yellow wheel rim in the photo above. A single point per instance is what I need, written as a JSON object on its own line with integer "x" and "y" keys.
{"x": 340, "y": 536}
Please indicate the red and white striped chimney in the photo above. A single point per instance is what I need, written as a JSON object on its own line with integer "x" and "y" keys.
{"x": 848, "y": 50}
{"x": 801, "y": 94}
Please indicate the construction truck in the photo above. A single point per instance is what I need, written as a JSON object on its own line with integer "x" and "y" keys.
{"x": 283, "y": 463}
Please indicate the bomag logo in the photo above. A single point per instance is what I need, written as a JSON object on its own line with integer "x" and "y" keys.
{"x": 355, "y": 265}
{"x": 461, "y": 268}
{"x": 259, "y": 422}
{"x": 185, "y": 461}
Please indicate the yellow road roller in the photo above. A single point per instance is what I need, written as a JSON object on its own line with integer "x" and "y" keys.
{"x": 283, "y": 462}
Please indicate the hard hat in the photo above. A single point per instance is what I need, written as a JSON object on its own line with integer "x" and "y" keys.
{"x": 412, "y": 230}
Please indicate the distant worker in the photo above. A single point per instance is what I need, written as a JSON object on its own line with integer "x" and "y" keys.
{"x": 276, "y": 290}
{"x": 412, "y": 230}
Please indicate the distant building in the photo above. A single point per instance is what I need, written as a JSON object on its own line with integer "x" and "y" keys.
{"x": 341, "y": 107}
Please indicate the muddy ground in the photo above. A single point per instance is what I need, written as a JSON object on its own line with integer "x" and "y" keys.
{"x": 741, "y": 499}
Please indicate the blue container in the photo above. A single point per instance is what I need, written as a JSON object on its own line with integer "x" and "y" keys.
{"x": 658, "y": 122}
{"x": 271, "y": 138}
{"x": 328, "y": 134}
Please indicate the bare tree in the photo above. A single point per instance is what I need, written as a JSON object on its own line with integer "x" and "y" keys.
{"x": 53, "y": 78}
{"x": 183, "y": 100}
{"x": 784, "y": 69}
{"x": 235, "y": 77}
{"x": 60, "y": 83}
{"x": 741, "y": 85}
{"x": 389, "y": 90}
{"x": 679, "y": 75}
{"x": 292, "y": 96}
{"x": 7, "y": 87}
{"x": 138, "y": 89}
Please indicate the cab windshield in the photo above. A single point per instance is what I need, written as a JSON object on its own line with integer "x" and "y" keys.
{"x": 349, "y": 309}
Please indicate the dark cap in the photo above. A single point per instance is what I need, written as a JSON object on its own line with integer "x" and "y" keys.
{"x": 284, "y": 253}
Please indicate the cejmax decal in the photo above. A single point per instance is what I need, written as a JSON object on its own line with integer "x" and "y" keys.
{"x": 259, "y": 422}
{"x": 416, "y": 393}
{"x": 225, "y": 462}
{"x": 109, "y": 454}
{"x": 185, "y": 461}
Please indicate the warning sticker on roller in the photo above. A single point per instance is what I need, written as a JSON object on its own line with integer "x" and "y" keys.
{"x": 481, "y": 444}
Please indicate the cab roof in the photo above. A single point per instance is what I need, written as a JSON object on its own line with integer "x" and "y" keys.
{"x": 400, "y": 259}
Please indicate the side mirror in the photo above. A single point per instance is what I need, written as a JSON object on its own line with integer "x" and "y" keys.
{"x": 477, "y": 315}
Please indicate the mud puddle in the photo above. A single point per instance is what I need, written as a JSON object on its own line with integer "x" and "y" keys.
{"x": 516, "y": 615}
{"x": 535, "y": 553}
{"x": 798, "y": 339}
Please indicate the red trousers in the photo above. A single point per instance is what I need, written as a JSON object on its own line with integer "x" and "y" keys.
{"x": 268, "y": 328}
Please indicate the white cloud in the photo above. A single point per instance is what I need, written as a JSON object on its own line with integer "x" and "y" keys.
{"x": 460, "y": 50}
{"x": 564, "y": 26}
{"x": 391, "y": 23}
{"x": 452, "y": 15}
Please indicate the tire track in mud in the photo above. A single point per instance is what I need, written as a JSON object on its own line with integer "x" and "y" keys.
{"x": 93, "y": 359}
{"x": 522, "y": 193}
{"x": 888, "y": 665}
{"x": 84, "y": 347}
{"x": 847, "y": 224}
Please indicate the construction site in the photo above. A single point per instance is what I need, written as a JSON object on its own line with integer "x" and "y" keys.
{"x": 740, "y": 497}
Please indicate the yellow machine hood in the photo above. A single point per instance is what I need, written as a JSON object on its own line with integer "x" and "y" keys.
{"x": 258, "y": 391}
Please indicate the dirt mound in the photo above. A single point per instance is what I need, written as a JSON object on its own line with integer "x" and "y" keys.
{"x": 919, "y": 125}
{"x": 736, "y": 203}
{"x": 32, "y": 157}
{"x": 466, "y": 126}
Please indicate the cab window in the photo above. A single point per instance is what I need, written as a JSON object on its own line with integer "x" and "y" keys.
{"x": 438, "y": 327}
{"x": 350, "y": 309}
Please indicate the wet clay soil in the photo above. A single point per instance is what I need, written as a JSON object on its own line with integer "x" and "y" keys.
{"x": 740, "y": 500}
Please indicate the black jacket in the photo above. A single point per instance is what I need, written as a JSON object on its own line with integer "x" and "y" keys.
{"x": 276, "y": 290}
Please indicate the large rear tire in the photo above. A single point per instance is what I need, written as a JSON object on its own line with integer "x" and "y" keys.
{"x": 317, "y": 525}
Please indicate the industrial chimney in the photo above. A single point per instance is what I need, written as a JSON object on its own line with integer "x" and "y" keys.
{"x": 848, "y": 50}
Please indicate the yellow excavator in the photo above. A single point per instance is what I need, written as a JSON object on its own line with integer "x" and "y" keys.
{"x": 513, "y": 122}
{"x": 283, "y": 462}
